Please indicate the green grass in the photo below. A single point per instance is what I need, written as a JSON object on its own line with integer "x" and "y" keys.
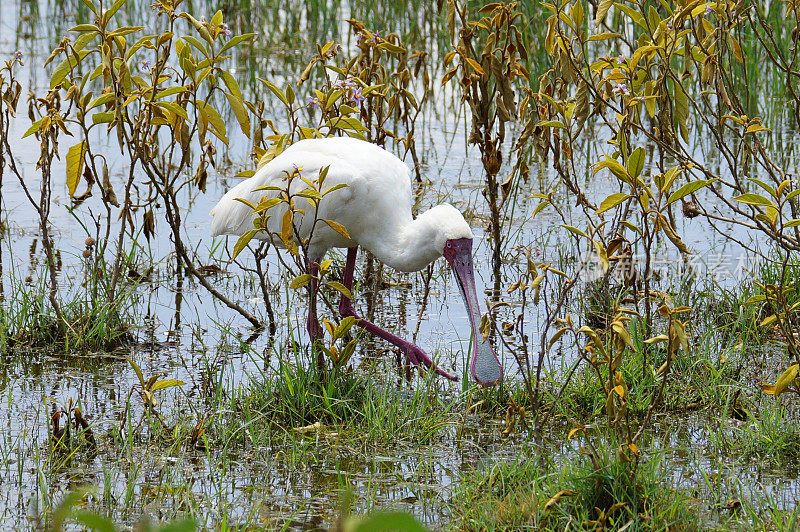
{"x": 770, "y": 437}
{"x": 586, "y": 491}
{"x": 355, "y": 403}
{"x": 89, "y": 321}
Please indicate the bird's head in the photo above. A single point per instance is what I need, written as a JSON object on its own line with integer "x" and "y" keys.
{"x": 484, "y": 365}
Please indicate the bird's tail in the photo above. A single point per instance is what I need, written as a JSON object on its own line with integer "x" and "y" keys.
{"x": 231, "y": 216}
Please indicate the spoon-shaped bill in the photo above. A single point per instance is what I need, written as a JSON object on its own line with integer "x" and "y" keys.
{"x": 484, "y": 365}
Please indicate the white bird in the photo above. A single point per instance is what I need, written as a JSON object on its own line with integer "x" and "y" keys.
{"x": 375, "y": 209}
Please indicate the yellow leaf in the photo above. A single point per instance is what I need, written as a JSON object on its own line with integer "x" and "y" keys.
{"x": 339, "y": 228}
{"x": 556, "y": 336}
{"x": 602, "y": 9}
{"x": 339, "y": 287}
{"x": 557, "y": 497}
{"x": 286, "y": 228}
{"x": 769, "y": 320}
{"x": 786, "y": 379}
{"x": 75, "y": 166}
{"x": 241, "y": 113}
{"x": 622, "y": 333}
{"x": 243, "y": 241}
{"x": 300, "y": 281}
{"x": 612, "y": 201}
{"x": 755, "y": 128}
{"x": 474, "y": 64}
{"x": 577, "y": 429}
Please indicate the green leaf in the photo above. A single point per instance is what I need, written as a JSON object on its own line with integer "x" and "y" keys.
{"x": 636, "y": 162}
{"x": 84, "y": 27}
{"x": 100, "y": 100}
{"x": 612, "y": 201}
{"x": 126, "y": 30}
{"x": 687, "y": 189}
{"x": 174, "y": 108}
{"x": 113, "y": 9}
{"x": 755, "y": 128}
{"x": 393, "y": 48}
{"x": 345, "y": 325}
{"x": 300, "y": 281}
{"x": 246, "y": 202}
{"x": 230, "y": 82}
{"x": 138, "y": 371}
{"x": 90, "y": 5}
{"x": 240, "y": 111}
{"x": 769, "y": 320}
{"x": 65, "y": 67}
{"x": 755, "y": 199}
{"x": 276, "y": 91}
{"x": 346, "y": 122}
{"x": 267, "y": 187}
{"x": 194, "y": 41}
{"x": 632, "y": 13}
{"x": 551, "y": 123}
{"x": 75, "y": 157}
{"x": 170, "y": 91}
{"x": 602, "y": 10}
{"x": 141, "y": 42}
{"x": 267, "y": 205}
{"x": 339, "y": 287}
{"x": 95, "y": 522}
{"x": 575, "y": 230}
{"x": 214, "y": 119}
{"x": 33, "y": 129}
{"x": 102, "y": 118}
{"x": 615, "y": 168}
{"x": 243, "y": 241}
{"x": 166, "y": 383}
{"x": 334, "y": 187}
{"x": 236, "y": 40}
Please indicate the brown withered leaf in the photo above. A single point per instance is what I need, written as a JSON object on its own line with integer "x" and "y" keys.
{"x": 108, "y": 191}
{"x": 201, "y": 178}
{"x": 557, "y": 497}
{"x": 149, "y": 224}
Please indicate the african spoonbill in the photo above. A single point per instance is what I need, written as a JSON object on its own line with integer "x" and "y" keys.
{"x": 375, "y": 208}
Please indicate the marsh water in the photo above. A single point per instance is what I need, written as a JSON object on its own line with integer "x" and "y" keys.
{"x": 181, "y": 332}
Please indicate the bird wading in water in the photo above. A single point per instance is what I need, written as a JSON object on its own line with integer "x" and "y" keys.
{"x": 375, "y": 209}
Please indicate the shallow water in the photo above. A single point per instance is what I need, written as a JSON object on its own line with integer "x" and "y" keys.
{"x": 198, "y": 340}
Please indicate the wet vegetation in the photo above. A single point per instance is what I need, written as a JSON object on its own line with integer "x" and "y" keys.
{"x": 629, "y": 170}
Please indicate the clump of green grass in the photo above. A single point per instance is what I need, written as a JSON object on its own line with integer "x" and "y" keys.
{"x": 86, "y": 323}
{"x": 596, "y": 492}
{"x": 769, "y": 437}
{"x": 299, "y": 395}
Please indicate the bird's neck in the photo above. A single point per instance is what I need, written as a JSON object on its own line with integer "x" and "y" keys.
{"x": 412, "y": 244}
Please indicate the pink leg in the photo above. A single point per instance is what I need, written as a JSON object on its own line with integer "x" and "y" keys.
{"x": 414, "y": 354}
{"x": 313, "y": 327}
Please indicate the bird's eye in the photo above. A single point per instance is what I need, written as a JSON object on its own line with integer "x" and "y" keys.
{"x": 449, "y": 244}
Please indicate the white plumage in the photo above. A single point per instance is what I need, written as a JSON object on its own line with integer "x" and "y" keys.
{"x": 375, "y": 209}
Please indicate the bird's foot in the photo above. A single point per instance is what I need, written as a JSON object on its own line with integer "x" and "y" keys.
{"x": 418, "y": 358}
{"x": 414, "y": 355}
